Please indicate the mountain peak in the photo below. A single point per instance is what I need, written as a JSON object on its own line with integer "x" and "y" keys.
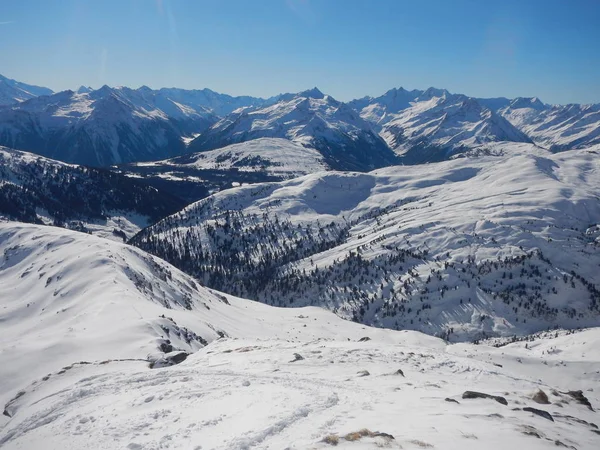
{"x": 432, "y": 92}
{"x": 527, "y": 102}
{"x": 144, "y": 89}
{"x": 84, "y": 90}
{"x": 312, "y": 93}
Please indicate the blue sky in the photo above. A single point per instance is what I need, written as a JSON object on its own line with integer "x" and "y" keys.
{"x": 348, "y": 48}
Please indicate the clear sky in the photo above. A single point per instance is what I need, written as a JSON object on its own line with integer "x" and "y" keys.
{"x": 347, "y": 48}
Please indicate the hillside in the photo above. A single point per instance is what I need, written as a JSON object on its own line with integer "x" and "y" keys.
{"x": 555, "y": 127}
{"x": 35, "y": 189}
{"x": 68, "y": 296}
{"x": 101, "y": 127}
{"x": 12, "y": 91}
{"x": 84, "y": 320}
{"x": 436, "y": 127}
{"x": 195, "y": 175}
{"x": 463, "y": 249}
{"x": 311, "y": 119}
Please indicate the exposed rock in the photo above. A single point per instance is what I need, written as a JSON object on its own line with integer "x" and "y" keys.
{"x": 363, "y": 373}
{"x": 474, "y": 394}
{"x": 578, "y": 395}
{"x": 448, "y": 399}
{"x": 399, "y": 372}
{"x": 166, "y": 346}
{"x": 364, "y": 339}
{"x": 539, "y": 412}
{"x": 177, "y": 357}
{"x": 540, "y": 397}
{"x": 297, "y": 357}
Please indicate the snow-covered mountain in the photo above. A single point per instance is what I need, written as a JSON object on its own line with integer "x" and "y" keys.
{"x": 463, "y": 248}
{"x": 85, "y": 319}
{"x": 434, "y": 125}
{"x": 195, "y": 175}
{"x": 309, "y": 118}
{"x": 39, "y": 190}
{"x": 380, "y": 110}
{"x": 557, "y": 127}
{"x": 102, "y": 127}
{"x": 219, "y": 104}
{"x": 12, "y": 91}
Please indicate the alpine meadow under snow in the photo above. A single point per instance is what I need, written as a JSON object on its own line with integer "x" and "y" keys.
{"x": 193, "y": 270}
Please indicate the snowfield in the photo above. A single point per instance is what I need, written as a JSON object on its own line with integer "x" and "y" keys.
{"x": 464, "y": 249}
{"x": 271, "y": 156}
{"x": 82, "y": 320}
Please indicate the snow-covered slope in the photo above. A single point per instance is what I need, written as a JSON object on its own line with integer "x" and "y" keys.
{"x": 438, "y": 125}
{"x": 12, "y": 91}
{"x": 40, "y": 190}
{"x": 76, "y": 375}
{"x": 194, "y": 176}
{"x": 102, "y": 127}
{"x": 310, "y": 118}
{"x": 558, "y": 127}
{"x": 83, "y": 317}
{"x": 464, "y": 248}
{"x": 219, "y": 104}
{"x": 67, "y": 297}
{"x": 271, "y": 156}
{"x": 380, "y": 110}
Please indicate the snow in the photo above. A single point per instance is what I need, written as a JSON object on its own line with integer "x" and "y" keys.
{"x": 310, "y": 119}
{"x": 465, "y": 220}
{"x": 13, "y": 92}
{"x": 24, "y": 169}
{"x": 104, "y": 126}
{"x": 280, "y": 379}
{"x": 270, "y": 156}
{"x": 558, "y": 127}
{"x": 447, "y": 122}
{"x": 82, "y": 316}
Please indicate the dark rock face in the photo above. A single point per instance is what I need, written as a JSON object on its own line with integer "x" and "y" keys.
{"x": 582, "y": 399}
{"x": 451, "y": 400}
{"x": 474, "y": 394}
{"x": 297, "y": 357}
{"x": 540, "y": 412}
{"x": 177, "y": 358}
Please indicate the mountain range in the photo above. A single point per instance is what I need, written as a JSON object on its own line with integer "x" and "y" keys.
{"x": 189, "y": 270}
{"x": 112, "y": 126}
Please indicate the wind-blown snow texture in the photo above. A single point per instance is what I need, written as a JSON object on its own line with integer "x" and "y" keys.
{"x": 461, "y": 249}
{"x": 83, "y": 317}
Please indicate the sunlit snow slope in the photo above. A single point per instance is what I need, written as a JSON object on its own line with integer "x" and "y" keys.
{"x": 461, "y": 249}
{"x": 67, "y": 297}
